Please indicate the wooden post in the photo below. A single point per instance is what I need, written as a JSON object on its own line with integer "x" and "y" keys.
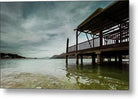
{"x": 120, "y": 33}
{"x": 76, "y": 41}
{"x": 66, "y": 59}
{"x": 109, "y": 59}
{"x": 67, "y": 45}
{"x": 120, "y": 59}
{"x": 93, "y": 59}
{"x": 116, "y": 41}
{"x": 101, "y": 59}
{"x": 101, "y": 38}
{"x": 93, "y": 40}
{"x": 81, "y": 59}
{"x": 115, "y": 59}
{"x": 98, "y": 58}
{"x": 77, "y": 58}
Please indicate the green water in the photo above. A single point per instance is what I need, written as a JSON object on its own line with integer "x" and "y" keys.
{"x": 55, "y": 74}
{"x": 99, "y": 76}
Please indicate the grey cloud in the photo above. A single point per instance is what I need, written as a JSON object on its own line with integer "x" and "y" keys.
{"x": 40, "y": 29}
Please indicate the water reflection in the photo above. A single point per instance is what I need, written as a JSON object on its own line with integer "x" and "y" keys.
{"x": 98, "y": 76}
{"x": 54, "y": 73}
{"x": 98, "y": 69}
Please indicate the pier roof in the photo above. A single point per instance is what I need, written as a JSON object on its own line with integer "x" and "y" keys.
{"x": 101, "y": 19}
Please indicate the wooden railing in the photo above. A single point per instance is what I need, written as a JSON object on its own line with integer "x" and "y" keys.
{"x": 86, "y": 45}
{"x": 114, "y": 35}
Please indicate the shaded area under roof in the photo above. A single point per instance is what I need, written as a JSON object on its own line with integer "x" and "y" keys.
{"x": 101, "y": 19}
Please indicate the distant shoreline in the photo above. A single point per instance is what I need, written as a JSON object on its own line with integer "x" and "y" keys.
{"x": 12, "y": 56}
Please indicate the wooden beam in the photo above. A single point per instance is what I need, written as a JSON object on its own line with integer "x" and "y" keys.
{"x": 79, "y": 33}
{"x": 108, "y": 16}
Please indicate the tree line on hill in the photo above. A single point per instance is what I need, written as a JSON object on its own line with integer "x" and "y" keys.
{"x": 10, "y": 56}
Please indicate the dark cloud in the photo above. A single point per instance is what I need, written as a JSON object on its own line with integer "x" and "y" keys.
{"x": 39, "y": 29}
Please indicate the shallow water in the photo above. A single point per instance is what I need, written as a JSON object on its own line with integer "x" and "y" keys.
{"x": 54, "y": 73}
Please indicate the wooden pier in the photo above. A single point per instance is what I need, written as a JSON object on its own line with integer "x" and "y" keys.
{"x": 109, "y": 32}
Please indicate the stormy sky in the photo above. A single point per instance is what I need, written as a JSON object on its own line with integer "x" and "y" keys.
{"x": 40, "y": 29}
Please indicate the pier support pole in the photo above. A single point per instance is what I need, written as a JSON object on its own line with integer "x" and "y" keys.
{"x": 77, "y": 59}
{"x": 120, "y": 59}
{"x": 98, "y": 58}
{"x": 81, "y": 59}
{"x": 109, "y": 59}
{"x": 101, "y": 59}
{"x": 93, "y": 59}
{"x": 115, "y": 59}
{"x": 67, "y": 50}
{"x": 101, "y": 38}
{"x": 66, "y": 59}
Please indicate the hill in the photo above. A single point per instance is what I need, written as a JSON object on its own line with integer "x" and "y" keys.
{"x": 10, "y": 56}
{"x": 63, "y": 55}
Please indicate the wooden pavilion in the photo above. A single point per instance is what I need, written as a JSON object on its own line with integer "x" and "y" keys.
{"x": 109, "y": 30}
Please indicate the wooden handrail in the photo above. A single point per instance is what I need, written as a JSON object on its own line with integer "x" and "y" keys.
{"x": 84, "y": 42}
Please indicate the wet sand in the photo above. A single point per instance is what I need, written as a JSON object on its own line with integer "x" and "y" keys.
{"x": 30, "y": 80}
